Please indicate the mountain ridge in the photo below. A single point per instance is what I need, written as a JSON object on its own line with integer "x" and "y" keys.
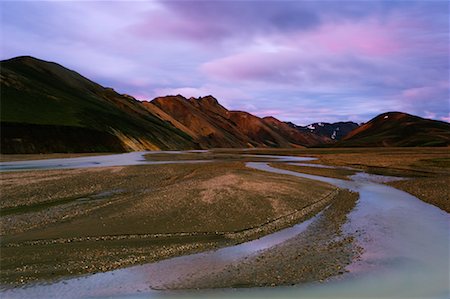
{"x": 398, "y": 129}
{"x": 334, "y": 131}
{"x": 52, "y": 101}
{"x": 46, "y": 108}
{"x": 217, "y": 126}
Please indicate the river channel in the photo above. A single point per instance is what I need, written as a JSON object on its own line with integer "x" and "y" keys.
{"x": 405, "y": 244}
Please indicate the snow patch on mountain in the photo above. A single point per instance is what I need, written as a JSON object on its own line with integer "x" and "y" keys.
{"x": 334, "y": 131}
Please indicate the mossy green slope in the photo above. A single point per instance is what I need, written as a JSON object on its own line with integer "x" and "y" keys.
{"x": 49, "y": 98}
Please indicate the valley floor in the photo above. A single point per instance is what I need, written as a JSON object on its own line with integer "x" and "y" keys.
{"x": 426, "y": 171}
{"x": 59, "y": 223}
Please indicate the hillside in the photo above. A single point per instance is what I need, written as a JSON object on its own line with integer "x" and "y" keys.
{"x": 398, "y": 129}
{"x": 208, "y": 128}
{"x": 296, "y": 136}
{"x": 212, "y": 125}
{"x": 48, "y": 108}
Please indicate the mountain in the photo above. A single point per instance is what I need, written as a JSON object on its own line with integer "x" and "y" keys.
{"x": 259, "y": 132}
{"x": 46, "y": 107}
{"x": 294, "y": 135}
{"x": 333, "y": 131}
{"x": 398, "y": 129}
{"x": 209, "y": 125}
{"x": 212, "y": 125}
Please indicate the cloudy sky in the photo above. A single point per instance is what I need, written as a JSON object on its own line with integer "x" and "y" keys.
{"x": 300, "y": 61}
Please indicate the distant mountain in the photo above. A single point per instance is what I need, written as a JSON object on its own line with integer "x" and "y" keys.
{"x": 294, "y": 135}
{"x": 334, "y": 131}
{"x": 398, "y": 129}
{"x": 46, "y": 107}
{"x": 212, "y": 125}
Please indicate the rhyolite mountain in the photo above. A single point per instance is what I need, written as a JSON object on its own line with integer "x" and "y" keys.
{"x": 46, "y": 107}
{"x": 203, "y": 119}
{"x": 212, "y": 125}
{"x": 334, "y": 131}
{"x": 398, "y": 129}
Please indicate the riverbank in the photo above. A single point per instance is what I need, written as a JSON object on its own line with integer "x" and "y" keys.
{"x": 28, "y": 157}
{"x": 426, "y": 170}
{"x": 322, "y": 251}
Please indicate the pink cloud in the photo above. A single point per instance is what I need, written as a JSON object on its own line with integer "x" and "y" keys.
{"x": 417, "y": 93}
{"x": 331, "y": 50}
{"x": 426, "y": 93}
{"x": 251, "y": 65}
{"x": 363, "y": 38}
{"x": 165, "y": 25}
{"x": 289, "y": 67}
{"x": 446, "y": 118}
{"x": 356, "y": 57}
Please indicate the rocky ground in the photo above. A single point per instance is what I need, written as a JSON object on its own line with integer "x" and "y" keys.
{"x": 58, "y": 223}
{"x": 323, "y": 250}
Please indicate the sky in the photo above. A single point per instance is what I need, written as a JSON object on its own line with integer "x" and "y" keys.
{"x": 299, "y": 61}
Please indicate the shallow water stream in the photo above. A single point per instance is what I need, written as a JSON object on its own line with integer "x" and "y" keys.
{"x": 405, "y": 242}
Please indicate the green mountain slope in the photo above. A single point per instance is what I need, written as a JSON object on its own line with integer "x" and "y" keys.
{"x": 48, "y": 108}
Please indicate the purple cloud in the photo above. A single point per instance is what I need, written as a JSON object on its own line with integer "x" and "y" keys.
{"x": 301, "y": 61}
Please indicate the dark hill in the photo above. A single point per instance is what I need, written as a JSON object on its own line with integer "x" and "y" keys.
{"x": 48, "y": 108}
{"x": 398, "y": 129}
